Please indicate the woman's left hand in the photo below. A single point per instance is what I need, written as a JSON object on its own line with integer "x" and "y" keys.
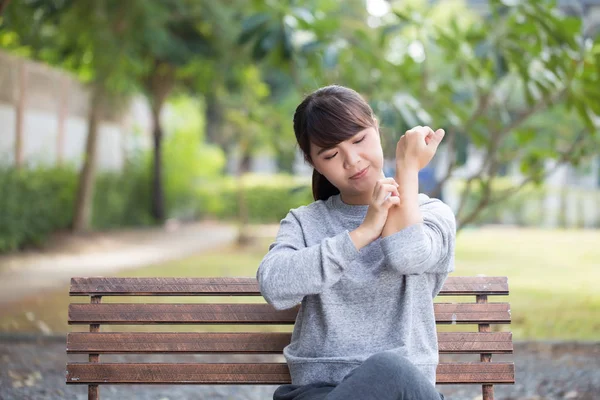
{"x": 417, "y": 146}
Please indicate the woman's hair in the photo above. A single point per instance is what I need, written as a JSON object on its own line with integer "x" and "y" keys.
{"x": 325, "y": 118}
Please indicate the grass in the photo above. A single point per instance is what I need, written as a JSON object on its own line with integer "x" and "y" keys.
{"x": 552, "y": 276}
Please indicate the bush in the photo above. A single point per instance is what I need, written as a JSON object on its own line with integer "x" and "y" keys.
{"x": 37, "y": 202}
{"x": 34, "y": 203}
{"x": 123, "y": 198}
{"x": 268, "y": 198}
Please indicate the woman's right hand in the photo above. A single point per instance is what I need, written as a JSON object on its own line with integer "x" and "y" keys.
{"x": 385, "y": 195}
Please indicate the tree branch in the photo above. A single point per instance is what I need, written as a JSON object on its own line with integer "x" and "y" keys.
{"x": 565, "y": 156}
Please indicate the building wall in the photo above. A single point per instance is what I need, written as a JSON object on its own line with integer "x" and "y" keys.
{"x": 55, "y": 109}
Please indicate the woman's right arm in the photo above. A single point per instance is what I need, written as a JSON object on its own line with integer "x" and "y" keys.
{"x": 290, "y": 270}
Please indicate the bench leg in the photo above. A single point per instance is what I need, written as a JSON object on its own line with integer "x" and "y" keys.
{"x": 488, "y": 392}
{"x": 93, "y": 392}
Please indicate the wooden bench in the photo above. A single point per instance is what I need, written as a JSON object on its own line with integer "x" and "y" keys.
{"x": 481, "y": 341}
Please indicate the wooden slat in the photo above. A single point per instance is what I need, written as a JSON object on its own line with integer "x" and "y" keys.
{"x": 136, "y": 314}
{"x": 472, "y": 313}
{"x": 264, "y": 343}
{"x": 265, "y": 373}
{"x": 475, "y": 285}
{"x": 165, "y": 286}
{"x": 476, "y": 372}
{"x": 243, "y": 286}
{"x": 474, "y": 342}
{"x": 130, "y": 313}
{"x": 180, "y": 342}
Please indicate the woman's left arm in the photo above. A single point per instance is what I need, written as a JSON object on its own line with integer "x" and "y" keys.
{"x": 422, "y": 247}
{"x": 420, "y": 232}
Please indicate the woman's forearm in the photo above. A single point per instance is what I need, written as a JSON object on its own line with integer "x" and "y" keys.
{"x": 407, "y": 213}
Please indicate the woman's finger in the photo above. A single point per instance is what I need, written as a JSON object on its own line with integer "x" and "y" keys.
{"x": 393, "y": 200}
{"x": 391, "y": 181}
{"x": 384, "y": 191}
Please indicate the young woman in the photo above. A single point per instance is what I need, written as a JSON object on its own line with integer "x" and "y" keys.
{"x": 365, "y": 260}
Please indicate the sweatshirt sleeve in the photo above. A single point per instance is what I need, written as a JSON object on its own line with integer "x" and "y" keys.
{"x": 290, "y": 270}
{"x": 426, "y": 247}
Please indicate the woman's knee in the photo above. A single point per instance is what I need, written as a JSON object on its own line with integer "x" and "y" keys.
{"x": 390, "y": 363}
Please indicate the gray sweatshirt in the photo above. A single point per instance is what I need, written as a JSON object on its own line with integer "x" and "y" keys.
{"x": 357, "y": 303}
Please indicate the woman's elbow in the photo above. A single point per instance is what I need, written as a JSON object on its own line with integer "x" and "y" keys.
{"x": 412, "y": 267}
{"x": 270, "y": 292}
{"x": 276, "y": 300}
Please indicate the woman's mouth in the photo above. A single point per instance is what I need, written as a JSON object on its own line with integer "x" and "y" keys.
{"x": 360, "y": 174}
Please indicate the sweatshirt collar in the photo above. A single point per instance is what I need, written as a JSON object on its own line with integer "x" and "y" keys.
{"x": 348, "y": 209}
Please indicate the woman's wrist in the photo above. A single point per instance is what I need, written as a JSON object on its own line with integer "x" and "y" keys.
{"x": 361, "y": 237}
{"x": 408, "y": 184}
{"x": 407, "y": 213}
{"x": 407, "y": 166}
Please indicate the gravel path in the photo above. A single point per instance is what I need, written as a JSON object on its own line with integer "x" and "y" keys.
{"x": 33, "y": 368}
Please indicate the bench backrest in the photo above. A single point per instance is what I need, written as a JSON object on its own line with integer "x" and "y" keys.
{"x": 483, "y": 342}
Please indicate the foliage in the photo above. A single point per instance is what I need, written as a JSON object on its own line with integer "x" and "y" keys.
{"x": 188, "y": 161}
{"x": 522, "y": 61}
{"x": 34, "y": 203}
{"x": 268, "y": 198}
{"x": 517, "y": 85}
{"x": 122, "y": 198}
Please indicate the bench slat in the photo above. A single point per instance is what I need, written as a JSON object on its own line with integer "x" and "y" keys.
{"x": 80, "y": 286}
{"x": 245, "y": 343}
{"x": 180, "y": 342}
{"x": 161, "y": 313}
{"x": 265, "y": 373}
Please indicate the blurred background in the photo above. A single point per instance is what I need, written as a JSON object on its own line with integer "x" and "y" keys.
{"x": 154, "y": 138}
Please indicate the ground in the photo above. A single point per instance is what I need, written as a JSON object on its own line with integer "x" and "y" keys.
{"x": 552, "y": 276}
{"x": 33, "y": 368}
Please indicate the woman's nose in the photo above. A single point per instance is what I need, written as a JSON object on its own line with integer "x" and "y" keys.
{"x": 352, "y": 159}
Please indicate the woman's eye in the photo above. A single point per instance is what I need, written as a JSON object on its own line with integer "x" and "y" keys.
{"x": 361, "y": 139}
{"x": 330, "y": 157}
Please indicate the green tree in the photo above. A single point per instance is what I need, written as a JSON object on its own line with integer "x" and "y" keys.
{"x": 487, "y": 79}
{"x": 81, "y": 39}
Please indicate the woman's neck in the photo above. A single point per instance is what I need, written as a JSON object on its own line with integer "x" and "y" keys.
{"x": 355, "y": 200}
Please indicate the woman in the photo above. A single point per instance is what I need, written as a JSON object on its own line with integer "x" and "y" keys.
{"x": 365, "y": 260}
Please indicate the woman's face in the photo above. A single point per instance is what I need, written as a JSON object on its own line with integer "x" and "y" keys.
{"x": 353, "y": 166}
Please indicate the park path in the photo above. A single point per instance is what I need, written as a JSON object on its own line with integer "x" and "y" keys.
{"x": 26, "y": 274}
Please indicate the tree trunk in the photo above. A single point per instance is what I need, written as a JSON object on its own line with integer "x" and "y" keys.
{"x": 564, "y": 195}
{"x": 159, "y": 85}
{"x": 158, "y": 198}
{"x": 63, "y": 114}
{"x": 3, "y": 4}
{"x": 244, "y": 236}
{"x": 85, "y": 190}
{"x": 214, "y": 117}
{"x": 20, "y": 113}
{"x": 214, "y": 126}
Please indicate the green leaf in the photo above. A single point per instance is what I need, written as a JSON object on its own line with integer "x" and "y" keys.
{"x": 251, "y": 26}
{"x": 286, "y": 43}
{"x": 404, "y": 16}
{"x": 524, "y": 137}
{"x": 584, "y": 114}
{"x": 311, "y": 47}
{"x": 263, "y": 44}
{"x": 330, "y": 57}
{"x": 304, "y": 15}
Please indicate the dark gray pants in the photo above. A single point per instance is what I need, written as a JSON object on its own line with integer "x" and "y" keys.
{"x": 383, "y": 376}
